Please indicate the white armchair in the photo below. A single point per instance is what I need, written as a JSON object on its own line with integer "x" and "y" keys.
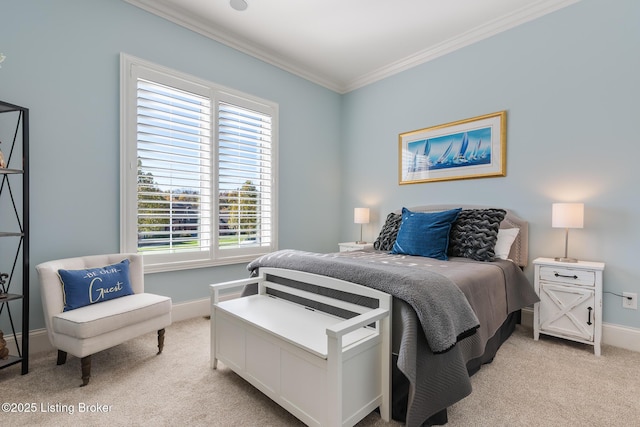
{"x": 95, "y": 327}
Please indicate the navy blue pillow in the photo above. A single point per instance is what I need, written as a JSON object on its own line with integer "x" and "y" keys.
{"x": 425, "y": 233}
{"x": 93, "y": 285}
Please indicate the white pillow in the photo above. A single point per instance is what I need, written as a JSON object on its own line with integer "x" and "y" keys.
{"x": 506, "y": 236}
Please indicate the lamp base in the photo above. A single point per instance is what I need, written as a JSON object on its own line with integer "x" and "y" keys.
{"x": 360, "y": 242}
{"x": 565, "y": 259}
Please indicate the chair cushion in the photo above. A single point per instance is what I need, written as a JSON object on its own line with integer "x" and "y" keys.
{"x": 93, "y": 285}
{"x": 96, "y": 319}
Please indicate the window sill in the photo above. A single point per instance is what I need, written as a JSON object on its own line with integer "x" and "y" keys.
{"x": 190, "y": 265}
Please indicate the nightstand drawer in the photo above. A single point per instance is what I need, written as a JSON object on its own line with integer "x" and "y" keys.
{"x": 568, "y": 276}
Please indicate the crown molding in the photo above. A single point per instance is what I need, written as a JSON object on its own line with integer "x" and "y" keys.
{"x": 474, "y": 35}
{"x": 504, "y": 23}
{"x": 160, "y": 9}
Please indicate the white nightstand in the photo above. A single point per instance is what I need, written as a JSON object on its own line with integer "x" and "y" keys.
{"x": 353, "y": 246}
{"x": 570, "y": 301}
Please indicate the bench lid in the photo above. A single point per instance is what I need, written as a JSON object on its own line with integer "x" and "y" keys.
{"x": 300, "y": 326}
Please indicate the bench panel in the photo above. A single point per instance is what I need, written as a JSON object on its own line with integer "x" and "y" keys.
{"x": 230, "y": 342}
{"x": 359, "y": 384}
{"x": 304, "y": 387}
{"x": 262, "y": 361}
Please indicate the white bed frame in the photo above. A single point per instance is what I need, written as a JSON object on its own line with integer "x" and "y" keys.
{"x": 323, "y": 369}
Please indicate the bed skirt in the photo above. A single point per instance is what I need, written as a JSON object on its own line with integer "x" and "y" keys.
{"x": 400, "y": 384}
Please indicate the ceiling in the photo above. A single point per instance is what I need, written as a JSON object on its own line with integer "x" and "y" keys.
{"x": 347, "y": 44}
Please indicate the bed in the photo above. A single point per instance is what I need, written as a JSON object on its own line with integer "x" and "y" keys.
{"x": 451, "y": 312}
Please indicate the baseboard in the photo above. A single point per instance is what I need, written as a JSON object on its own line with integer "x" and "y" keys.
{"x": 39, "y": 340}
{"x": 612, "y": 334}
{"x": 190, "y": 309}
{"x": 526, "y": 319}
{"x": 621, "y": 336}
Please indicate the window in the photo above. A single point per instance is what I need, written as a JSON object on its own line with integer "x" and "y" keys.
{"x": 198, "y": 166}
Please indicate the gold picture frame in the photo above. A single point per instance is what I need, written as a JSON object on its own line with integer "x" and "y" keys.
{"x": 465, "y": 149}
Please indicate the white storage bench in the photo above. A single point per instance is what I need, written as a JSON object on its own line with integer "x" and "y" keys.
{"x": 324, "y": 369}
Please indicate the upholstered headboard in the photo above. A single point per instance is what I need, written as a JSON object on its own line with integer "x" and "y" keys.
{"x": 519, "y": 250}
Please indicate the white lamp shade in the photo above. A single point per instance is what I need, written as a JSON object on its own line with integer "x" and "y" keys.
{"x": 567, "y": 215}
{"x": 361, "y": 215}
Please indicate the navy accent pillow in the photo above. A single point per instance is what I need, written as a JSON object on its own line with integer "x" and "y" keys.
{"x": 93, "y": 285}
{"x": 425, "y": 233}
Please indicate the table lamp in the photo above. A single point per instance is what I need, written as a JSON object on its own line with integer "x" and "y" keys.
{"x": 567, "y": 215}
{"x": 361, "y": 216}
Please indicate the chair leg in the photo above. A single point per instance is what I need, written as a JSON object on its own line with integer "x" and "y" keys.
{"x": 160, "y": 340}
{"x": 85, "y": 362}
{"x": 62, "y": 357}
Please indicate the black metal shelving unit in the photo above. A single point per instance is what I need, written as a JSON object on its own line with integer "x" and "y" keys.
{"x": 14, "y": 236}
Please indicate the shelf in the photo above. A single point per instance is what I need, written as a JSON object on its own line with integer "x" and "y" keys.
{"x": 14, "y": 193}
{"x": 10, "y": 171}
{"x": 5, "y": 107}
{"x": 10, "y": 234}
{"x": 11, "y": 360}
{"x": 9, "y": 297}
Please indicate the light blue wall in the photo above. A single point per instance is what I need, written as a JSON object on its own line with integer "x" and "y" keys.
{"x": 569, "y": 82}
{"x": 63, "y": 63}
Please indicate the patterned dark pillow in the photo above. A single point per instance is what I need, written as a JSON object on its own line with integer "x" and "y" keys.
{"x": 474, "y": 233}
{"x": 389, "y": 233}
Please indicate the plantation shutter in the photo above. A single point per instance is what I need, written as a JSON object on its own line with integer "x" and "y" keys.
{"x": 197, "y": 162}
{"x": 244, "y": 177}
{"x": 174, "y": 169}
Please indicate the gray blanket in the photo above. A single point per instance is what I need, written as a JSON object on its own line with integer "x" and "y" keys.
{"x": 443, "y": 310}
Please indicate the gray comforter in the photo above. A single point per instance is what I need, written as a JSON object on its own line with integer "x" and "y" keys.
{"x": 438, "y": 305}
{"x": 443, "y": 310}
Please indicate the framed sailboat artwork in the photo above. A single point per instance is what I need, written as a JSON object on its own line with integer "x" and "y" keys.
{"x": 470, "y": 148}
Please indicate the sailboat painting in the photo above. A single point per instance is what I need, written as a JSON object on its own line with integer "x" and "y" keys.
{"x": 470, "y": 148}
{"x": 459, "y": 150}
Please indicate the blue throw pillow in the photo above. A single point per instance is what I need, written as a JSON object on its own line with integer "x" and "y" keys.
{"x": 425, "y": 233}
{"x": 93, "y": 285}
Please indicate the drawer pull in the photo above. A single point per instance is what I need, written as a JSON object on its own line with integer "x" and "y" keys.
{"x": 589, "y": 319}
{"x": 562, "y": 275}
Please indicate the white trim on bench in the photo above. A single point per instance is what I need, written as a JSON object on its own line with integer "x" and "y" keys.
{"x": 325, "y": 370}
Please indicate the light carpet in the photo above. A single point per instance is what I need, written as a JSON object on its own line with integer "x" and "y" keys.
{"x": 550, "y": 382}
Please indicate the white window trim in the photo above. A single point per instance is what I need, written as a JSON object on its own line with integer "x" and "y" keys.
{"x": 128, "y": 166}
